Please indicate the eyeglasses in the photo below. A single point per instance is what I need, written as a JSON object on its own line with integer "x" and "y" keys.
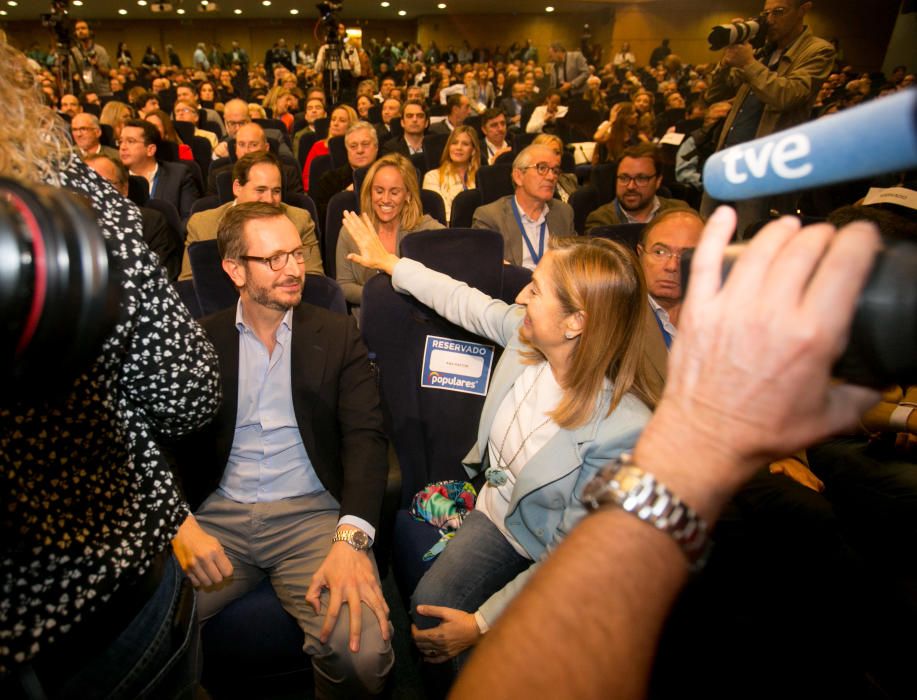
{"x": 543, "y": 169}
{"x": 660, "y": 254}
{"x": 775, "y": 13}
{"x": 639, "y": 180}
{"x": 76, "y": 129}
{"x": 278, "y": 261}
{"x": 240, "y": 123}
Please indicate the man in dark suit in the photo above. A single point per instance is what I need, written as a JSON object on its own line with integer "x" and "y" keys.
{"x": 515, "y": 107}
{"x": 250, "y": 138}
{"x": 157, "y": 234}
{"x": 570, "y": 70}
{"x": 288, "y": 479}
{"x": 172, "y": 182}
{"x": 530, "y": 216}
{"x": 390, "y": 113}
{"x": 413, "y": 124}
{"x": 362, "y": 145}
{"x": 459, "y": 109}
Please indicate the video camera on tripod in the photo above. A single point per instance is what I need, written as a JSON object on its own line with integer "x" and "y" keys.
{"x": 333, "y": 65}
{"x": 61, "y": 26}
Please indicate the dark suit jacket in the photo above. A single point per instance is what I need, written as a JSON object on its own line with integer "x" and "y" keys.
{"x": 396, "y": 145}
{"x": 290, "y": 175}
{"x": 440, "y": 128}
{"x": 508, "y": 105}
{"x": 498, "y": 216}
{"x": 328, "y": 185}
{"x": 176, "y": 185}
{"x": 335, "y": 401}
{"x": 162, "y": 240}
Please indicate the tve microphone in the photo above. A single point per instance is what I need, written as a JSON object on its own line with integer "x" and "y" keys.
{"x": 870, "y": 139}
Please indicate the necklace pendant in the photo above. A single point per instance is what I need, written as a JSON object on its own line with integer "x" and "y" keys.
{"x": 495, "y": 476}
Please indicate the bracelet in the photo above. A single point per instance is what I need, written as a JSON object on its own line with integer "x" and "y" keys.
{"x": 897, "y": 421}
{"x": 625, "y": 485}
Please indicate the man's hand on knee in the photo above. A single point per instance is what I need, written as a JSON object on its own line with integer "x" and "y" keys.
{"x": 350, "y": 578}
{"x": 200, "y": 555}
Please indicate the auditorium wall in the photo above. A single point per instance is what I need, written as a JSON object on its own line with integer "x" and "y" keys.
{"x": 864, "y": 29}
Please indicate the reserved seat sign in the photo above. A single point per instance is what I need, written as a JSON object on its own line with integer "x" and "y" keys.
{"x": 456, "y": 365}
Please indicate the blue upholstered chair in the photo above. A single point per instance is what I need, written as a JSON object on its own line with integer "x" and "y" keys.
{"x": 431, "y": 429}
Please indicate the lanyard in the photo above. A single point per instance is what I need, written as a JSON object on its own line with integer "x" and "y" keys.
{"x": 535, "y": 257}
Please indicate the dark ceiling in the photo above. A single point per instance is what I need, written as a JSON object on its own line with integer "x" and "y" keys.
{"x": 242, "y": 9}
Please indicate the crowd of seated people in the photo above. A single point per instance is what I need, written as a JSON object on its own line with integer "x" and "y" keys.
{"x": 429, "y": 120}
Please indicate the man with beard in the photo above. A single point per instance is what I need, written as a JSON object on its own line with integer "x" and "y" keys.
{"x": 288, "y": 479}
{"x": 638, "y": 180}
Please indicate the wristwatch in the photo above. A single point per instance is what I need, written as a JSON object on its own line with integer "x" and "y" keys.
{"x": 625, "y": 485}
{"x": 357, "y": 539}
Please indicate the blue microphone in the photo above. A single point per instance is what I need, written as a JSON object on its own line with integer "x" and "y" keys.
{"x": 870, "y": 139}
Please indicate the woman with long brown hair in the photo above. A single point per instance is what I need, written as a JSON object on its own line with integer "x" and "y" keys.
{"x": 458, "y": 166}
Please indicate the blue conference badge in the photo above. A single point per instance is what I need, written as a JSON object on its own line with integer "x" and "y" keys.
{"x": 456, "y": 365}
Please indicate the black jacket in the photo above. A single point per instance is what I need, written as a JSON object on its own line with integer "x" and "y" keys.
{"x": 335, "y": 401}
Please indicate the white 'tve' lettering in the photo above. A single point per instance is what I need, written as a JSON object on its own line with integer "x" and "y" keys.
{"x": 779, "y": 154}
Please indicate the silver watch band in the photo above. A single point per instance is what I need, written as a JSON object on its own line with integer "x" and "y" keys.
{"x": 625, "y": 485}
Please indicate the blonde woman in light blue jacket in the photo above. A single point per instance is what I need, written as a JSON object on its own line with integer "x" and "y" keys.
{"x": 570, "y": 393}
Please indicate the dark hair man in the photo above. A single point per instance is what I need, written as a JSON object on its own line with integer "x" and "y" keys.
{"x": 298, "y": 447}
{"x": 774, "y": 88}
{"x": 638, "y": 179}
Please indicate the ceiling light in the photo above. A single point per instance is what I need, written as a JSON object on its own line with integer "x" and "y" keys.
{"x": 12, "y": 3}
{"x": 237, "y": 11}
{"x": 294, "y": 11}
{"x": 142, "y": 3}
{"x": 122, "y": 11}
{"x": 442, "y": 6}
{"x": 385, "y": 4}
{"x": 3, "y": 13}
{"x": 549, "y": 8}
{"x": 402, "y": 13}
{"x": 78, "y": 3}
{"x": 266, "y": 3}
{"x": 180, "y": 11}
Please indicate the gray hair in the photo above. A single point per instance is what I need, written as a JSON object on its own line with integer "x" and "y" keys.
{"x": 358, "y": 125}
{"x": 526, "y": 155}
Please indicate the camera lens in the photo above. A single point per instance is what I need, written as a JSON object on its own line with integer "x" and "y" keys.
{"x": 58, "y": 293}
{"x": 882, "y": 346}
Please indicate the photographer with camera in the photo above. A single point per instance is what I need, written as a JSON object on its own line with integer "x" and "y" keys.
{"x": 91, "y": 61}
{"x": 94, "y": 604}
{"x": 774, "y": 87}
{"x": 337, "y": 60}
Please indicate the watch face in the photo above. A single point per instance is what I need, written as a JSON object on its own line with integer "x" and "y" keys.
{"x": 628, "y": 478}
{"x": 360, "y": 539}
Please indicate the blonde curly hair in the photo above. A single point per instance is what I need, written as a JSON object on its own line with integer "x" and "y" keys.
{"x": 35, "y": 145}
